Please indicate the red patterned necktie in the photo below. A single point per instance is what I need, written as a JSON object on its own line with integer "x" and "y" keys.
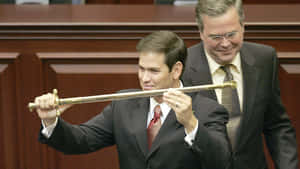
{"x": 154, "y": 126}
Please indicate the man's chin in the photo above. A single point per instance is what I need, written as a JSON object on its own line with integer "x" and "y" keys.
{"x": 226, "y": 58}
{"x": 148, "y": 88}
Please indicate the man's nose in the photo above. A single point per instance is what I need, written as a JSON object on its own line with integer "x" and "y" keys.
{"x": 146, "y": 76}
{"x": 225, "y": 42}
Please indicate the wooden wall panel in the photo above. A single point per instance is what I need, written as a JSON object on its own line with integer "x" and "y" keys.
{"x": 8, "y": 112}
{"x": 83, "y": 77}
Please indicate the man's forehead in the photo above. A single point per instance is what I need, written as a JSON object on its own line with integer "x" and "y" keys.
{"x": 151, "y": 53}
{"x": 152, "y": 56}
{"x": 152, "y": 60}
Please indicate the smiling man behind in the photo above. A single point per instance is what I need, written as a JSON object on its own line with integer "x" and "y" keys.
{"x": 255, "y": 108}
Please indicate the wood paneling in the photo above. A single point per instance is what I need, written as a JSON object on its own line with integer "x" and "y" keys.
{"x": 81, "y": 77}
{"x": 88, "y": 50}
{"x": 8, "y": 111}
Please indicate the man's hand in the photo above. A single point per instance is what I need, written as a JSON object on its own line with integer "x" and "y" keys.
{"x": 47, "y": 108}
{"x": 182, "y": 105}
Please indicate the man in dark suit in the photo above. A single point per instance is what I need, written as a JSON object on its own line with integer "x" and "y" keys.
{"x": 190, "y": 132}
{"x": 255, "y": 69}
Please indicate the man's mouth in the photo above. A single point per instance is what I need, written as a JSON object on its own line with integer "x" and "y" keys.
{"x": 147, "y": 87}
{"x": 226, "y": 52}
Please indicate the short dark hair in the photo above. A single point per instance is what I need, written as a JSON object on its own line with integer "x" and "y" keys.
{"x": 217, "y": 8}
{"x": 166, "y": 42}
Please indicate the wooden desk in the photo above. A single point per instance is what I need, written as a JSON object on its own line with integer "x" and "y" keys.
{"x": 79, "y": 50}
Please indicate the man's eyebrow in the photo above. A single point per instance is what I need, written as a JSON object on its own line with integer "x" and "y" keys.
{"x": 223, "y": 33}
{"x": 154, "y": 68}
{"x": 149, "y": 68}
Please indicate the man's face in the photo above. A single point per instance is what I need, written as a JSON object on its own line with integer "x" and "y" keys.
{"x": 153, "y": 72}
{"x": 222, "y": 36}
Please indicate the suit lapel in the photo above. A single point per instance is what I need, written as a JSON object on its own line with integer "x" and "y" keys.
{"x": 169, "y": 126}
{"x": 140, "y": 119}
{"x": 200, "y": 64}
{"x": 250, "y": 76}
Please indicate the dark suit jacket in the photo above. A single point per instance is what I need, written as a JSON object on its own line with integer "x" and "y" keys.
{"x": 123, "y": 123}
{"x": 50, "y": 1}
{"x": 263, "y": 111}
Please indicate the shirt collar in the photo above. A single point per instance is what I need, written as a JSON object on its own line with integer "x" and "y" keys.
{"x": 164, "y": 107}
{"x": 214, "y": 66}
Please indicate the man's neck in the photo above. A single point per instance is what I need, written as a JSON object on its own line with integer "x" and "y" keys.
{"x": 176, "y": 84}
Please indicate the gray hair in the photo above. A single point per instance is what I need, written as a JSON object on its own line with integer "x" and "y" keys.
{"x": 216, "y": 8}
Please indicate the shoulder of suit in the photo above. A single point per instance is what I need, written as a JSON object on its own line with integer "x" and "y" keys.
{"x": 258, "y": 46}
{"x": 194, "y": 52}
{"x": 195, "y": 48}
{"x": 262, "y": 53}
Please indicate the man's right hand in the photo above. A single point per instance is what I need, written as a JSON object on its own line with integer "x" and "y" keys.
{"x": 46, "y": 108}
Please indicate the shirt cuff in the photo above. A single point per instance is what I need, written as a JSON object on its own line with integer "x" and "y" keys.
{"x": 189, "y": 138}
{"x": 47, "y": 131}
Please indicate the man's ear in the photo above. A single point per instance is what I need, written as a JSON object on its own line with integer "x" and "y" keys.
{"x": 177, "y": 70}
{"x": 201, "y": 35}
{"x": 243, "y": 29}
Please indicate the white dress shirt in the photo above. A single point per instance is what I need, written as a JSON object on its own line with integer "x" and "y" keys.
{"x": 218, "y": 76}
{"x": 165, "y": 111}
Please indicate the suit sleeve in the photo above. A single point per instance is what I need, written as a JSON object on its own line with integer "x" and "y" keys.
{"x": 83, "y": 138}
{"x": 278, "y": 130}
{"x": 211, "y": 142}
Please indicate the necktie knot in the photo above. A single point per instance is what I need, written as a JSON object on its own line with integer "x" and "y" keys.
{"x": 157, "y": 112}
{"x": 226, "y": 69}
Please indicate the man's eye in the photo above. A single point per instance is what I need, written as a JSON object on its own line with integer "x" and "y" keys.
{"x": 141, "y": 69}
{"x": 216, "y": 37}
{"x": 230, "y": 35}
{"x": 155, "y": 71}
